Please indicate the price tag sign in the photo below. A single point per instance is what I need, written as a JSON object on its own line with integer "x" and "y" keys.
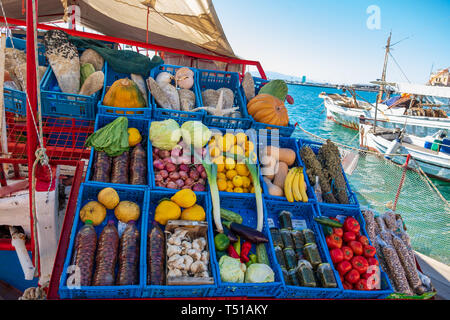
{"x": 271, "y": 223}
{"x": 299, "y": 224}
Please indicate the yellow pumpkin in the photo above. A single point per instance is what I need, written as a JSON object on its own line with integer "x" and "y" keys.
{"x": 93, "y": 211}
{"x": 268, "y": 109}
{"x": 124, "y": 93}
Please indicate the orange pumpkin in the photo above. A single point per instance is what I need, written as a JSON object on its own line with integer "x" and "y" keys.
{"x": 124, "y": 93}
{"x": 268, "y": 109}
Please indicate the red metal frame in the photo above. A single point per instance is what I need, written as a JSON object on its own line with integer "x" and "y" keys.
{"x": 144, "y": 45}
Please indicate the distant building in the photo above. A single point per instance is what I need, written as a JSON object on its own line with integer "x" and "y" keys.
{"x": 440, "y": 78}
{"x": 303, "y": 79}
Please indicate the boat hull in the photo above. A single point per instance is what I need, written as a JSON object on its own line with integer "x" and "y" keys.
{"x": 390, "y": 119}
{"x": 436, "y": 165}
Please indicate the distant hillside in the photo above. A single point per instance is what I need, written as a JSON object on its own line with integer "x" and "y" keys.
{"x": 277, "y": 75}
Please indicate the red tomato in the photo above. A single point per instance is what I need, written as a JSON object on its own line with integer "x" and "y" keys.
{"x": 347, "y": 286}
{"x": 351, "y": 224}
{"x": 357, "y": 247}
{"x": 336, "y": 255}
{"x": 338, "y": 231}
{"x": 372, "y": 261}
{"x": 364, "y": 240}
{"x": 343, "y": 267}
{"x": 360, "y": 264}
{"x": 352, "y": 276}
{"x": 348, "y": 253}
{"x": 369, "y": 251}
{"x": 333, "y": 241}
{"x": 361, "y": 285}
{"x": 349, "y": 236}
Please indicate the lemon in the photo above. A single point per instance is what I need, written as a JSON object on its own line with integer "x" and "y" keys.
{"x": 214, "y": 151}
{"x": 231, "y": 174}
{"x": 222, "y": 184}
{"x": 239, "y": 190}
{"x": 252, "y": 190}
{"x": 237, "y": 150}
{"x": 245, "y": 190}
{"x": 134, "y": 137}
{"x": 237, "y": 181}
{"x": 246, "y": 182}
{"x": 221, "y": 175}
{"x": 229, "y": 164}
{"x": 126, "y": 211}
{"x": 230, "y": 137}
{"x": 249, "y": 146}
{"x": 94, "y": 211}
{"x": 242, "y": 169}
{"x": 230, "y": 185}
{"x": 241, "y": 138}
{"x": 109, "y": 198}
{"x": 230, "y": 189}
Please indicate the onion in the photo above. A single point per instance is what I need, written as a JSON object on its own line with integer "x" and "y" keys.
{"x": 189, "y": 182}
{"x": 176, "y": 152}
{"x": 164, "y": 174}
{"x": 180, "y": 183}
{"x": 167, "y": 160}
{"x": 174, "y": 175}
{"x": 193, "y": 174}
{"x": 164, "y": 153}
{"x": 199, "y": 168}
{"x": 198, "y": 187}
{"x": 158, "y": 164}
{"x": 171, "y": 185}
{"x": 186, "y": 187}
{"x": 183, "y": 167}
{"x": 155, "y": 151}
{"x": 183, "y": 175}
{"x": 202, "y": 181}
{"x": 185, "y": 159}
{"x": 203, "y": 175}
{"x": 158, "y": 178}
{"x": 170, "y": 167}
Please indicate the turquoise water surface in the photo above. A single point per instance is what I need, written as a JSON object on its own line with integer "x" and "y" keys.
{"x": 376, "y": 181}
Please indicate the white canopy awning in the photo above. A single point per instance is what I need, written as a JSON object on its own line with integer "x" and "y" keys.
{"x": 423, "y": 90}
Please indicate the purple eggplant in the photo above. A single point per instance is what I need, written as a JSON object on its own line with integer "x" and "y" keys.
{"x": 245, "y": 232}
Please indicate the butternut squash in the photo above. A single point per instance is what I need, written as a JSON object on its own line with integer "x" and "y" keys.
{"x": 273, "y": 189}
{"x": 281, "y": 154}
{"x": 280, "y": 175}
{"x": 269, "y": 166}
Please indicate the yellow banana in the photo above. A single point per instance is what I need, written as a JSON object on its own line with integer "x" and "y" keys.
{"x": 288, "y": 185}
{"x": 302, "y": 186}
{"x": 296, "y": 186}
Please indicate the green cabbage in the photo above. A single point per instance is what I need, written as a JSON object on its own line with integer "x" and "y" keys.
{"x": 165, "y": 134}
{"x": 195, "y": 133}
{"x": 231, "y": 270}
{"x": 258, "y": 273}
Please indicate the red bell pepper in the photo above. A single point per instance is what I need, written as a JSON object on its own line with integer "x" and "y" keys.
{"x": 352, "y": 276}
{"x": 360, "y": 264}
{"x": 364, "y": 240}
{"x": 349, "y": 236}
{"x": 356, "y": 247}
{"x": 369, "y": 251}
{"x": 338, "y": 231}
{"x": 245, "y": 250}
{"x": 232, "y": 252}
{"x": 348, "y": 253}
{"x": 343, "y": 267}
{"x": 361, "y": 285}
{"x": 372, "y": 261}
{"x": 336, "y": 255}
{"x": 351, "y": 224}
{"x": 333, "y": 241}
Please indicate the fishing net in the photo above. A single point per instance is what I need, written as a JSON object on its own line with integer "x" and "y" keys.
{"x": 425, "y": 212}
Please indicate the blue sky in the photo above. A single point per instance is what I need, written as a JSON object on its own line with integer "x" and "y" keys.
{"x": 329, "y": 40}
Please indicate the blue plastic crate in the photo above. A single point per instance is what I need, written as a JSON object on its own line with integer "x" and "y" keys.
{"x": 282, "y": 131}
{"x": 213, "y": 79}
{"x": 161, "y": 113}
{"x": 15, "y": 100}
{"x": 88, "y": 192}
{"x": 304, "y": 213}
{"x": 143, "y": 126}
{"x": 110, "y": 77}
{"x": 353, "y": 202}
{"x": 59, "y": 104}
{"x": 386, "y": 287}
{"x": 176, "y": 291}
{"x": 284, "y": 142}
{"x": 245, "y": 205}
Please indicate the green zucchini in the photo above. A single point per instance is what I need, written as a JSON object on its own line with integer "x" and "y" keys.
{"x": 261, "y": 254}
{"x": 328, "y": 222}
{"x": 230, "y": 216}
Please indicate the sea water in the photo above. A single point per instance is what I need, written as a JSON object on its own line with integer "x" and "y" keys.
{"x": 375, "y": 181}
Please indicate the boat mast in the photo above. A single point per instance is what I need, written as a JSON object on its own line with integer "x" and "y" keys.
{"x": 383, "y": 76}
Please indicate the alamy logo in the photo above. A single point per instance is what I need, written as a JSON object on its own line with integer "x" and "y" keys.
{"x": 74, "y": 278}
{"x": 374, "y": 20}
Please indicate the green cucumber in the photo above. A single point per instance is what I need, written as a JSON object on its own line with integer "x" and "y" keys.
{"x": 328, "y": 222}
{"x": 230, "y": 216}
{"x": 261, "y": 254}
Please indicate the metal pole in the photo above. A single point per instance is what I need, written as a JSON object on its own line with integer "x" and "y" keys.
{"x": 31, "y": 108}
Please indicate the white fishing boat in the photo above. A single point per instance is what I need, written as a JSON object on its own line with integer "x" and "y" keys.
{"x": 420, "y": 109}
{"x": 431, "y": 153}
